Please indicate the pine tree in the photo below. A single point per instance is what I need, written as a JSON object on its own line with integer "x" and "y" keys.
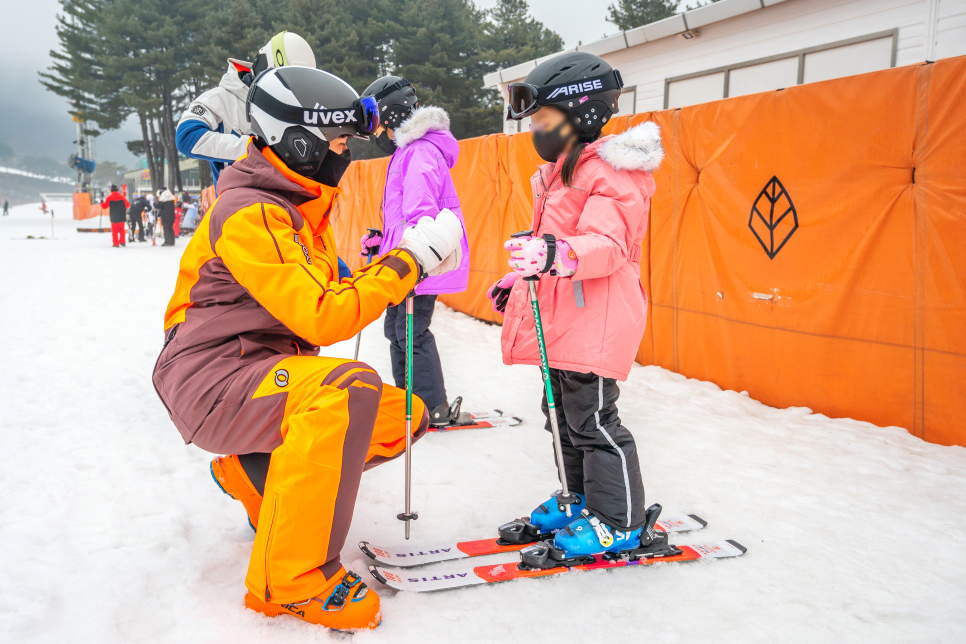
{"x": 234, "y": 29}
{"x": 436, "y": 46}
{"x": 511, "y": 36}
{"x": 153, "y": 48}
{"x": 77, "y": 72}
{"x": 350, "y": 39}
{"x": 628, "y": 14}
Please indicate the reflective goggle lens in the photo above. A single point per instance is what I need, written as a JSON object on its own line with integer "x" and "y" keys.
{"x": 522, "y": 100}
{"x": 370, "y": 114}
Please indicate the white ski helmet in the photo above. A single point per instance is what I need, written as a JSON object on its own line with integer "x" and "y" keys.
{"x": 285, "y": 48}
{"x": 296, "y": 111}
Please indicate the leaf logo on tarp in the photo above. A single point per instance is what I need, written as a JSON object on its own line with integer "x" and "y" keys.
{"x": 773, "y": 217}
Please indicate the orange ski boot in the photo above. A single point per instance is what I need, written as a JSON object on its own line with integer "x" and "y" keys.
{"x": 231, "y": 478}
{"x": 346, "y": 605}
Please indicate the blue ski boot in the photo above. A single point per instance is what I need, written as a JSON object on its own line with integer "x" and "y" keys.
{"x": 588, "y": 536}
{"x": 583, "y": 540}
{"x": 543, "y": 522}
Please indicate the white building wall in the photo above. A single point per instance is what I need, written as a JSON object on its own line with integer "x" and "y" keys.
{"x": 927, "y": 29}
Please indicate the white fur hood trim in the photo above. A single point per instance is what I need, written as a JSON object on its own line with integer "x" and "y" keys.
{"x": 422, "y": 121}
{"x": 636, "y": 149}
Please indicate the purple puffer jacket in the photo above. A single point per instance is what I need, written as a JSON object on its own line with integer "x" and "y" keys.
{"x": 419, "y": 185}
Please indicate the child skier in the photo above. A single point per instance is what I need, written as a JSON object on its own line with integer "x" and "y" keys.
{"x": 591, "y": 203}
{"x": 418, "y": 184}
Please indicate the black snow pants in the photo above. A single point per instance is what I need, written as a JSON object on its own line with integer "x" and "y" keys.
{"x": 135, "y": 222}
{"x": 427, "y": 370}
{"x": 600, "y": 456}
{"x": 167, "y": 222}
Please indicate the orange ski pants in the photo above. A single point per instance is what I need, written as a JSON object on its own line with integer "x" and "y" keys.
{"x": 339, "y": 420}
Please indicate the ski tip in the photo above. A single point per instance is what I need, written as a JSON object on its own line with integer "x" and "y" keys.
{"x": 375, "y": 573}
{"x": 364, "y": 547}
{"x": 704, "y": 524}
{"x": 516, "y": 421}
{"x": 738, "y": 546}
{"x": 499, "y": 411}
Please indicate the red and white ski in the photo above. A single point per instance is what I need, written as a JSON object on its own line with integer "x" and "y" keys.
{"x": 468, "y": 421}
{"x": 425, "y": 581}
{"x": 409, "y": 556}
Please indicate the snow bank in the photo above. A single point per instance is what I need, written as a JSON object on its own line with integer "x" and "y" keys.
{"x": 112, "y": 530}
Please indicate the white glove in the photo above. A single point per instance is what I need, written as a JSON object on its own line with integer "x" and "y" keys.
{"x": 435, "y": 243}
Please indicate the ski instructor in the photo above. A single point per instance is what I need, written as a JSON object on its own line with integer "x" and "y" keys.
{"x": 257, "y": 293}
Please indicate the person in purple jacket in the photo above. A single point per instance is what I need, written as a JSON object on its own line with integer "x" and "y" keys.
{"x": 418, "y": 184}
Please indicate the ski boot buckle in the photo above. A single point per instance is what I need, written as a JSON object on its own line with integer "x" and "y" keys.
{"x": 544, "y": 555}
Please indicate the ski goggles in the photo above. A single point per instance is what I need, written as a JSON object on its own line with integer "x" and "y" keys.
{"x": 525, "y": 99}
{"x": 393, "y": 115}
{"x": 363, "y": 116}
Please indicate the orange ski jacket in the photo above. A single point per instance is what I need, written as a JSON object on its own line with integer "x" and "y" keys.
{"x": 259, "y": 282}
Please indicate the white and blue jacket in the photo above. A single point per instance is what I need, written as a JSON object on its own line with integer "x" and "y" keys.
{"x": 214, "y": 127}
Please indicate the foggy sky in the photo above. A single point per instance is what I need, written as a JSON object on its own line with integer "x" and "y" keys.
{"x": 35, "y": 121}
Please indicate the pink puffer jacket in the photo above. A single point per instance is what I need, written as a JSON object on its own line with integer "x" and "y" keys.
{"x": 594, "y": 321}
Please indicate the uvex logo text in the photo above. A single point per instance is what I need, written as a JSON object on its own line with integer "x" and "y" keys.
{"x": 338, "y": 117}
{"x": 586, "y": 86}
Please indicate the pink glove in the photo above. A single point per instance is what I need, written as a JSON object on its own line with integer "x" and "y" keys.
{"x": 371, "y": 242}
{"x": 499, "y": 293}
{"x": 528, "y": 256}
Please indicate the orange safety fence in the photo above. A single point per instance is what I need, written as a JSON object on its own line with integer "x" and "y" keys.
{"x": 207, "y": 198}
{"x": 807, "y": 245}
{"x": 83, "y": 208}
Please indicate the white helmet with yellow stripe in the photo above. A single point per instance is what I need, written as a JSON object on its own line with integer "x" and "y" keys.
{"x": 285, "y": 48}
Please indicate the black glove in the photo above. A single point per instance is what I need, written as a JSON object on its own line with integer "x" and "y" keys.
{"x": 499, "y": 293}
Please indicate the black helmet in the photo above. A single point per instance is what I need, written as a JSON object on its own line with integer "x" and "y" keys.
{"x": 297, "y": 110}
{"x": 581, "y": 84}
{"x": 396, "y": 97}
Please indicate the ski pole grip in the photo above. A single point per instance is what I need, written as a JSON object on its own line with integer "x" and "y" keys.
{"x": 566, "y": 499}
{"x": 372, "y": 233}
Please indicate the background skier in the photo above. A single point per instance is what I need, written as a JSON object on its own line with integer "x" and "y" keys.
{"x": 165, "y": 204}
{"x": 117, "y": 204}
{"x": 215, "y": 125}
{"x": 263, "y": 268}
{"x": 135, "y": 214}
{"x": 418, "y": 184}
{"x": 593, "y": 197}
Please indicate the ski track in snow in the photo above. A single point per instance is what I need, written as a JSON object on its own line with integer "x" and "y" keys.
{"x": 113, "y": 531}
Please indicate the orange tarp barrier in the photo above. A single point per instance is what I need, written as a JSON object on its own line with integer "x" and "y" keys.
{"x": 83, "y": 209}
{"x": 807, "y": 245}
{"x": 207, "y": 198}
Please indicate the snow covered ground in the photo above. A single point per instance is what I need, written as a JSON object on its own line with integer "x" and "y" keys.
{"x": 111, "y": 529}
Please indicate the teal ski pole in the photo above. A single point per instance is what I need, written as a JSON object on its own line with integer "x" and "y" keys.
{"x": 565, "y": 497}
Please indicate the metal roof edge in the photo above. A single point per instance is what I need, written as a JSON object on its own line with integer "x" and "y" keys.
{"x": 676, "y": 24}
